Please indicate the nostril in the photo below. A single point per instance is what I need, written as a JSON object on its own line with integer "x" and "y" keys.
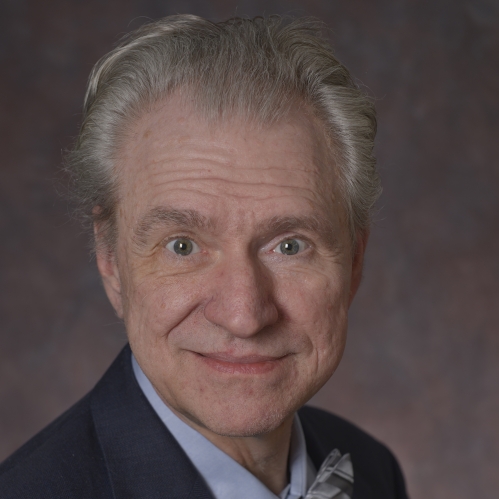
{"x": 239, "y": 317}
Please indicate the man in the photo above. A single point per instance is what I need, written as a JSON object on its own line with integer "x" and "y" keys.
{"x": 228, "y": 173}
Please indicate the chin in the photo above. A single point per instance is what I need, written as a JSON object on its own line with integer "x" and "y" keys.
{"x": 242, "y": 420}
{"x": 247, "y": 426}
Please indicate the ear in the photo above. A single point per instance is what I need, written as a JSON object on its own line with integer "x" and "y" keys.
{"x": 108, "y": 269}
{"x": 358, "y": 262}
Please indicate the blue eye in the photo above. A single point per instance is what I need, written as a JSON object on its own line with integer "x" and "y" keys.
{"x": 290, "y": 247}
{"x": 182, "y": 246}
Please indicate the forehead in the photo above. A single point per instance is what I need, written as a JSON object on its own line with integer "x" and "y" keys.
{"x": 174, "y": 155}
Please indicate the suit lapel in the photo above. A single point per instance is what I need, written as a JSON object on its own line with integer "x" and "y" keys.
{"x": 143, "y": 459}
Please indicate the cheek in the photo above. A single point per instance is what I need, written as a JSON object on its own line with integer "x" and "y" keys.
{"x": 156, "y": 303}
{"x": 316, "y": 305}
{"x": 312, "y": 297}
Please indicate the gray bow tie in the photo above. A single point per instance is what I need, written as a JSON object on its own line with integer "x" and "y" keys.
{"x": 334, "y": 479}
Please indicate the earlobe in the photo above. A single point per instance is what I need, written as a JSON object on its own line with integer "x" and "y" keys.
{"x": 109, "y": 271}
{"x": 358, "y": 262}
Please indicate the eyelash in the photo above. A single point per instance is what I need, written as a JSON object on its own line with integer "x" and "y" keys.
{"x": 300, "y": 239}
{"x": 170, "y": 240}
{"x": 304, "y": 241}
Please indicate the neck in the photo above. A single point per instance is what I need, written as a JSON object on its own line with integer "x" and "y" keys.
{"x": 265, "y": 456}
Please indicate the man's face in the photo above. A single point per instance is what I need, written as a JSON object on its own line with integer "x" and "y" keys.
{"x": 233, "y": 273}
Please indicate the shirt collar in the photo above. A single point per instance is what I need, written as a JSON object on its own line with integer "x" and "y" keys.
{"x": 224, "y": 476}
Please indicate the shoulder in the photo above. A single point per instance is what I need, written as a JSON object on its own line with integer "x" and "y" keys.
{"x": 63, "y": 460}
{"x": 377, "y": 472}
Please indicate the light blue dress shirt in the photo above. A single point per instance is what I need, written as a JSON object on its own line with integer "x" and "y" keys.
{"x": 225, "y": 477}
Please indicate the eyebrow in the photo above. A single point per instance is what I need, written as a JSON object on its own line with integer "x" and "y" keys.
{"x": 313, "y": 223}
{"x": 162, "y": 216}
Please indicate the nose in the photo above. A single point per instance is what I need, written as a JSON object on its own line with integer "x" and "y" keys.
{"x": 242, "y": 301}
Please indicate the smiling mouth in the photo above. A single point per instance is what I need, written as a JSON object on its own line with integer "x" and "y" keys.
{"x": 248, "y": 364}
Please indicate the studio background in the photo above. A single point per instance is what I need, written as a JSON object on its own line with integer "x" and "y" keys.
{"x": 421, "y": 368}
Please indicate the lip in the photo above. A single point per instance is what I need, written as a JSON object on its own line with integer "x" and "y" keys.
{"x": 247, "y": 364}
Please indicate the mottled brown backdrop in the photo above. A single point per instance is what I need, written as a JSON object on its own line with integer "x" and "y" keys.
{"x": 421, "y": 369}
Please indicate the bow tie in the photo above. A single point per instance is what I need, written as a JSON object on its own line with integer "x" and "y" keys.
{"x": 334, "y": 479}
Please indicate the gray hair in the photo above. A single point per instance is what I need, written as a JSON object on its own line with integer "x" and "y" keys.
{"x": 258, "y": 67}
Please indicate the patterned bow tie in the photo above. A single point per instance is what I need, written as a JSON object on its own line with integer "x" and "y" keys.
{"x": 334, "y": 479}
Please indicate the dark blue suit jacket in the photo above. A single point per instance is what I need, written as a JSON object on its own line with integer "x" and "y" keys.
{"x": 112, "y": 445}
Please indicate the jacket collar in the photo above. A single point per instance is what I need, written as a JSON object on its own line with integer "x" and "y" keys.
{"x": 143, "y": 459}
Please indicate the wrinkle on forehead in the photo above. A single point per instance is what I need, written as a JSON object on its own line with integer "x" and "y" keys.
{"x": 173, "y": 113}
{"x": 198, "y": 148}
